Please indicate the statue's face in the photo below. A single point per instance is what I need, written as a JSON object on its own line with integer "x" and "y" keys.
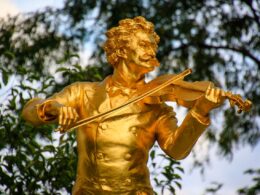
{"x": 141, "y": 55}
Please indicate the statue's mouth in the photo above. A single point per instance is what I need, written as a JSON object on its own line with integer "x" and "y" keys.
{"x": 143, "y": 59}
{"x": 151, "y": 61}
{"x": 146, "y": 58}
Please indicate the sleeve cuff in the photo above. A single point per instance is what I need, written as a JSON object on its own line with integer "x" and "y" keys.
{"x": 201, "y": 119}
{"x": 41, "y": 111}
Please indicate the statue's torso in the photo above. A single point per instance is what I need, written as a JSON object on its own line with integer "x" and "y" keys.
{"x": 113, "y": 151}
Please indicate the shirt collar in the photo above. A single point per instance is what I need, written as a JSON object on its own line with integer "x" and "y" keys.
{"x": 116, "y": 88}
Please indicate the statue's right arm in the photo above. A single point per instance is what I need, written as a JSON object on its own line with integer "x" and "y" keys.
{"x": 60, "y": 108}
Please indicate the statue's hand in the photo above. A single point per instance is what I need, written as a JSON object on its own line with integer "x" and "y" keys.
{"x": 67, "y": 116}
{"x": 213, "y": 98}
{"x": 64, "y": 115}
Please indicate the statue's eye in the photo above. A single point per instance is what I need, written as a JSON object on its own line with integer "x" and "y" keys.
{"x": 142, "y": 44}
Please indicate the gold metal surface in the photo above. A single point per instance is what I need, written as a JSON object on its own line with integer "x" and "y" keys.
{"x": 131, "y": 101}
{"x": 113, "y": 149}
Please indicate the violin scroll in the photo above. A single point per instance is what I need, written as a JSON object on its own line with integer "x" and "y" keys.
{"x": 237, "y": 100}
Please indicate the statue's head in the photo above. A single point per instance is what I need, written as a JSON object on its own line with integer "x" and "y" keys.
{"x": 133, "y": 36}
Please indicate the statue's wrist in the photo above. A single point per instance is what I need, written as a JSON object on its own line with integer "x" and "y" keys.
{"x": 203, "y": 111}
{"x": 202, "y": 118}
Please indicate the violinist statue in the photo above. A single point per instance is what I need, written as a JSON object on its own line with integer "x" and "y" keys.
{"x": 113, "y": 148}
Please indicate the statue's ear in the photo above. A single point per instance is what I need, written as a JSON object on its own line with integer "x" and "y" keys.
{"x": 121, "y": 53}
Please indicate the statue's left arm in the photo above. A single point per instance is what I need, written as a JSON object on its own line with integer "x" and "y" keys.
{"x": 176, "y": 141}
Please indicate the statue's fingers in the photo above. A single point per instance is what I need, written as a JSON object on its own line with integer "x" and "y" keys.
{"x": 75, "y": 115}
{"x": 61, "y": 116}
{"x": 217, "y": 95}
{"x": 73, "y": 119}
{"x": 68, "y": 117}
{"x": 208, "y": 91}
{"x": 211, "y": 95}
{"x": 240, "y": 100}
{"x": 65, "y": 117}
{"x": 61, "y": 119}
{"x": 223, "y": 93}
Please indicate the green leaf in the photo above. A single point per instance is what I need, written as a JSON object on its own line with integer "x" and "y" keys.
{"x": 49, "y": 148}
{"x": 152, "y": 154}
{"x": 5, "y": 77}
{"x": 178, "y": 184}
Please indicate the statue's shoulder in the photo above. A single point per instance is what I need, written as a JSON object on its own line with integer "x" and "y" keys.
{"x": 85, "y": 85}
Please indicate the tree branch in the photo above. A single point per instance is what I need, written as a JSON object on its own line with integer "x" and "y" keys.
{"x": 243, "y": 51}
{"x": 256, "y": 18}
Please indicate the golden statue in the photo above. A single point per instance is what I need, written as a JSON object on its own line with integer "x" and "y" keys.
{"x": 119, "y": 119}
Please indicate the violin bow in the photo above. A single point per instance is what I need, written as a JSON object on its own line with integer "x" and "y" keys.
{"x": 131, "y": 101}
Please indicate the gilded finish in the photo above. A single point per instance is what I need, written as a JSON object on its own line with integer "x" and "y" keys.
{"x": 113, "y": 149}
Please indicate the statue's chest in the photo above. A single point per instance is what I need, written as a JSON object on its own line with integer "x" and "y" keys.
{"x": 124, "y": 130}
{"x": 128, "y": 127}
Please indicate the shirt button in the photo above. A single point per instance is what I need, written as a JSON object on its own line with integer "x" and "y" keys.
{"x": 133, "y": 130}
{"x": 128, "y": 156}
{"x": 128, "y": 181}
{"x": 100, "y": 155}
{"x": 103, "y": 181}
{"x": 103, "y": 126}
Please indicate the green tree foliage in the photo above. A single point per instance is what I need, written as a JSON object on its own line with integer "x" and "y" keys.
{"x": 255, "y": 187}
{"x": 218, "y": 39}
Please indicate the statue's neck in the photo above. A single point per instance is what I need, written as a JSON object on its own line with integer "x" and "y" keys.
{"x": 124, "y": 76}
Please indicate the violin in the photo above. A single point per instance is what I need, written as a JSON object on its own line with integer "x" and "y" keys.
{"x": 186, "y": 93}
{"x": 182, "y": 92}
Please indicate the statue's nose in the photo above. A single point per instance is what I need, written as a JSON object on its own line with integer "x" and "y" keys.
{"x": 151, "y": 52}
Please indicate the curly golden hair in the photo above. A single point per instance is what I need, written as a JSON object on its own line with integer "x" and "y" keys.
{"x": 118, "y": 38}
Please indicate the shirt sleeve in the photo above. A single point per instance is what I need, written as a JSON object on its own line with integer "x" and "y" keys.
{"x": 175, "y": 141}
{"x": 34, "y": 111}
